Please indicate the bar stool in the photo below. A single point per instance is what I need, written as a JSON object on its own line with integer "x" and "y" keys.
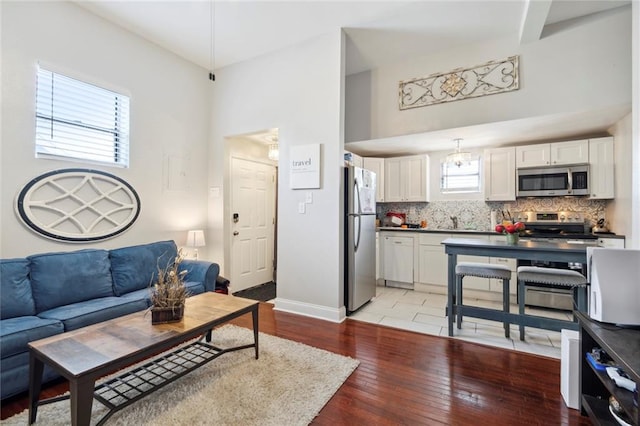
{"x": 562, "y": 277}
{"x": 482, "y": 270}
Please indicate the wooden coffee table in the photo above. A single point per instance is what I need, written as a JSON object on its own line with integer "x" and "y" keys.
{"x": 82, "y": 356}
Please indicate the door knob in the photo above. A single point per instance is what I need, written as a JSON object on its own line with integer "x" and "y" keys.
{"x": 235, "y": 232}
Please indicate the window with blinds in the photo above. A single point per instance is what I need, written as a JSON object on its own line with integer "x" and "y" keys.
{"x": 79, "y": 121}
{"x": 463, "y": 178}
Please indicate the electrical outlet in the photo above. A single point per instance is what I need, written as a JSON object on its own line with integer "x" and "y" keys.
{"x": 301, "y": 207}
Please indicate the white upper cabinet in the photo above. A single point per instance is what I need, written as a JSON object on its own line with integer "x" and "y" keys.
{"x": 500, "y": 174}
{"x": 572, "y": 152}
{"x": 376, "y": 165}
{"x": 406, "y": 179}
{"x": 533, "y": 155}
{"x": 601, "y": 169}
{"x": 552, "y": 154}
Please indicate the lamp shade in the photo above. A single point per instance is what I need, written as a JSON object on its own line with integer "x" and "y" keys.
{"x": 195, "y": 238}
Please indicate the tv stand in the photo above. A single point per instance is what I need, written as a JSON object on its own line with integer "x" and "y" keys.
{"x": 623, "y": 346}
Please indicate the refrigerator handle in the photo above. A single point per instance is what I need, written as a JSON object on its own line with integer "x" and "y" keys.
{"x": 356, "y": 194}
{"x": 359, "y": 229}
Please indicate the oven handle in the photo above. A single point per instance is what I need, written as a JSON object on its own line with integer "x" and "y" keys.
{"x": 570, "y": 179}
{"x": 564, "y": 290}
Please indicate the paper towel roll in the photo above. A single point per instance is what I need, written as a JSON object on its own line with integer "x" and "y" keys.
{"x": 494, "y": 219}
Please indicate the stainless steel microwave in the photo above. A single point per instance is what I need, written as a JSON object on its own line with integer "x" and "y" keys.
{"x": 556, "y": 181}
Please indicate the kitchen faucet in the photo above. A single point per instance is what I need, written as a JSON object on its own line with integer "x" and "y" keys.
{"x": 454, "y": 219}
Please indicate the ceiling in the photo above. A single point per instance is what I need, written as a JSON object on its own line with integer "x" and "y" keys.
{"x": 215, "y": 34}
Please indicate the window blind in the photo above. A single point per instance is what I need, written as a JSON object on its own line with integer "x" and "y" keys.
{"x": 465, "y": 178}
{"x": 80, "y": 121}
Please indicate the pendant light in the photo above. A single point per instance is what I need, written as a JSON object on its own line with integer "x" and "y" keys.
{"x": 212, "y": 19}
{"x": 458, "y": 157}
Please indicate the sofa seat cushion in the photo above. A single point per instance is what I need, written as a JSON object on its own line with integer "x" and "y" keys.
{"x": 194, "y": 287}
{"x": 15, "y": 288}
{"x": 15, "y": 333}
{"x": 81, "y": 314}
{"x": 15, "y": 374}
{"x": 60, "y": 279}
{"x": 138, "y": 295}
{"x": 136, "y": 267}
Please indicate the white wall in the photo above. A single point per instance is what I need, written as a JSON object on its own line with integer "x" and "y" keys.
{"x": 585, "y": 66}
{"x": 170, "y": 104}
{"x": 297, "y": 90}
{"x": 617, "y": 212}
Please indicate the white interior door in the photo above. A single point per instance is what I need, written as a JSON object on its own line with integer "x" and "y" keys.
{"x": 252, "y": 240}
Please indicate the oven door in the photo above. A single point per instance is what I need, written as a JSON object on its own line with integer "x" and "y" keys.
{"x": 550, "y": 296}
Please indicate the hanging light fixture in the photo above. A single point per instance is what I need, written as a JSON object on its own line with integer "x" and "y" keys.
{"x": 274, "y": 149}
{"x": 458, "y": 157}
{"x": 212, "y": 44}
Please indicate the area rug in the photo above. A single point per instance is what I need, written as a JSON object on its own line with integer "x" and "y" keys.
{"x": 263, "y": 292}
{"x": 288, "y": 385}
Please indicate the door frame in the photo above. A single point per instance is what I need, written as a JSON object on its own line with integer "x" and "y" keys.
{"x": 230, "y": 154}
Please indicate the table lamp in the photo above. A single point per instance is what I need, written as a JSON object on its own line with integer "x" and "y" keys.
{"x": 195, "y": 238}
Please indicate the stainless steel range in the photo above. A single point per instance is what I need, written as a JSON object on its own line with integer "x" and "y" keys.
{"x": 566, "y": 227}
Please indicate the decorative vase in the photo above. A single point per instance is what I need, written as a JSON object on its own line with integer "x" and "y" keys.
{"x": 166, "y": 315}
{"x": 512, "y": 239}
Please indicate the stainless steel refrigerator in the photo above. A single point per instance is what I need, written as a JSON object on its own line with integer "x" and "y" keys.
{"x": 360, "y": 237}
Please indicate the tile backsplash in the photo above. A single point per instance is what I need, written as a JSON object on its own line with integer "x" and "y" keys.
{"x": 477, "y": 214}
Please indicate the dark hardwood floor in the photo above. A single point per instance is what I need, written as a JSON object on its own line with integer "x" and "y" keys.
{"x": 406, "y": 378}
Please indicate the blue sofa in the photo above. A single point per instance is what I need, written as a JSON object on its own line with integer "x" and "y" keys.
{"x": 47, "y": 294}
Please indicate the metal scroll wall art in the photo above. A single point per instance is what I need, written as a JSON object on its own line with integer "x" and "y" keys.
{"x": 462, "y": 83}
{"x": 78, "y": 205}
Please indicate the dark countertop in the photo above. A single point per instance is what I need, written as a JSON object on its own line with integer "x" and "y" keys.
{"x": 534, "y": 250}
{"x": 436, "y": 231}
{"x": 464, "y": 231}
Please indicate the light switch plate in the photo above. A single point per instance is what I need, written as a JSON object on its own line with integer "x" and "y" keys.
{"x": 309, "y": 198}
{"x": 301, "y": 207}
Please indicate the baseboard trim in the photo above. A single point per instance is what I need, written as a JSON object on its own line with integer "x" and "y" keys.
{"x": 310, "y": 310}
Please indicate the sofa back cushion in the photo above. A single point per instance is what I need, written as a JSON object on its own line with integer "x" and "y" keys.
{"x": 59, "y": 279}
{"x": 15, "y": 288}
{"x": 134, "y": 268}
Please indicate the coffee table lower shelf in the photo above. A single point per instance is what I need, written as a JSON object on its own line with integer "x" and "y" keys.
{"x": 130, "y": 386}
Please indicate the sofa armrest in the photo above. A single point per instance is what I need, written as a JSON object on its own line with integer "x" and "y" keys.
{"x": 202, "y": 271}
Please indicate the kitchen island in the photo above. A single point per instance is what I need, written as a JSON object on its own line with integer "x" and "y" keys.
{"x": 527, "y": 250}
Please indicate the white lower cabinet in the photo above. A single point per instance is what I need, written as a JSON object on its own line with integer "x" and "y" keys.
{"x": 611, "y": 242}
{"x": 421, "y": 259}
{"x": 495, "y": 284}
{"x": 475, "y": 283}
{"x": 512, "y": 264}
{"x": 433, "y": 263}
{"x": 432, "y": 267}
{"x": 377, "y": 256}
{"x": 398, "y": 258}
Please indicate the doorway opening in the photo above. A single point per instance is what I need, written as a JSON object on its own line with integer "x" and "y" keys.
{"x": 251, "y": 218}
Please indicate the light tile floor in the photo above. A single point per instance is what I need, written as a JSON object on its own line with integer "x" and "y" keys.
{"x": 425, "y": 313}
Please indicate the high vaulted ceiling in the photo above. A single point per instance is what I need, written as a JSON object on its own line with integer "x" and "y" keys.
{"x": 215, "y": 34}
{"x": 222, "y": 33}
